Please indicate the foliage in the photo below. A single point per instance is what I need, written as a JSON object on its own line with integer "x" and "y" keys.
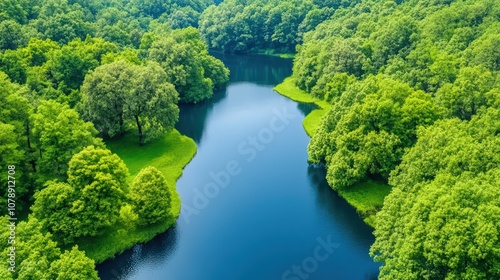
{"x": 68, "y": 66}
{"x": 414, "y": 94}
{"x": 47, "y": 48}
{"x": 63, "y": 21}
{"x": 38, "y": 257}
{"x": 73, "y": 265}
{"x": 189, "y": 67}
{"x": 59, "y": 133}
{"x": 169, "y": 155}
{"x": 89, "y": 202}
{"x": 449, "y": 180}
{"x": 120, "y": 94}
{"x": 14, "y": 137}
{"x": 242, "y": 26}
{"x": 150, "y": 196}
{"x": 367, "y": 128}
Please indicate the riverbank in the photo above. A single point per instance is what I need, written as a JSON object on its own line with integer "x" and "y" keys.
{"x": 311, "y": 122}
{"x": 366, "y": 197}
{"x": 273, "y": 52}
{"x": 170, "y": 155}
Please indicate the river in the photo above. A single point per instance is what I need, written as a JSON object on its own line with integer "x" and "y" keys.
{"x": 252, "y": 207}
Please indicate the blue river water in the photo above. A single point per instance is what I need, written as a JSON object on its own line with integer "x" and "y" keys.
{"x": 252, "y": 207}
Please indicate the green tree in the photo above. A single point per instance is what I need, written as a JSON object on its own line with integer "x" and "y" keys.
{"x": 13, "y": 10}
{"x": 152, "y": 103}
{"x": 60, "y": 22}
{"x": 59, "y": 133}
{"x": 150, "y": 196}
{"x": 104, "y": 93}
{"x": 367, "y": 136}
{"x": 483, "y": 50}
{"x": 128, "y": 217}
{"x": 100, "y": 177}
{"x": 73, "y": 265}
{"x": 53, "y": 208}
{"x": 441, "y": 219}
{"x": 14, "y": 65}
{"x": 119, "y": 94}
{"x": 448, "y": 229}
{"x": 467, "y": 94}
{"x": 39, "y": 258}
{"x": 15, "y": 145}
{"x": 11, "y": 35}
{"x": 182, "y": 55}
{"x": 393, "y": 38}
{"x": 39, "y": 51}
{"x": 35, "y": 250}
{"x": 68, "y": 66}
{"x": 89, "y": 202}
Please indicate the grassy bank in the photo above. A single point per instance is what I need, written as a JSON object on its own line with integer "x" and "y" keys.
{"x": 170, "y": 155}
{"x": 311, "y": 121}
{"x": 272, "y": 52}
{"x": 368, "y": 196}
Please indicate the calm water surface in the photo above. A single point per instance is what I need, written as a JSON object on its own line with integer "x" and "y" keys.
{"x": 252, "y": 207}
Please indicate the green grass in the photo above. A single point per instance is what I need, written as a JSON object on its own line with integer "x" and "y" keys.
{"x": 367, "y": 197}
{"x": 170, "y": 155}
{"x": 286, "y": 55}
{"x": 272, "y": 52}
{"x": 311, "y": 122}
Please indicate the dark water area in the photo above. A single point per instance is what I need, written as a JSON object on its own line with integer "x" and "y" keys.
{"x": 252, "y": 207}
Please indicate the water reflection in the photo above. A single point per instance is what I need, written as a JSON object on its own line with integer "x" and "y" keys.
{"x": 336, "y": 208}
{"x": 153, "y": 253}
{"x": 306, "y": 108}
{"x": 270, "y": 215}
{"x": 258, "y": 69}
{"x": 193, "y": 116}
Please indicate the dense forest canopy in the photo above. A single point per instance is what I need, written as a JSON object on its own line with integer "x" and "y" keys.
{"x": 71, "y": 74}
{"x": 242, "y": 26}
{"x": 414, "y": 94}
{"x": 413, "y": 88}
{"x": 398, "y": 67}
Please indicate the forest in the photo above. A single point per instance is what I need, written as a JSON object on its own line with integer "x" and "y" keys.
{"x": 414, "y": 94}
{"x": 409, "y": 94}
{"x": 75, "y": 75}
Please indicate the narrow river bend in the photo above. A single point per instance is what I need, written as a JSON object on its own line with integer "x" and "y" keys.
{"x": 252, "y": 207}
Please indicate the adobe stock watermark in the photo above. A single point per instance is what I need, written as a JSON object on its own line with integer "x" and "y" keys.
{"x": 248, "y": 149}
{"x": 310, "y": 264}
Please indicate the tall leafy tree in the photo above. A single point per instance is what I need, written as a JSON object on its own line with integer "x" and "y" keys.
{"x": 15, "y": 143}
{"x": 152, "y": 103}
{"x": 58, "y": 134}
{"x": 150, "y": 196}
{"x": 121, "y": 94}
{"x": 89, "y": 202}
{"x": 73, "y": 265}
{"x": 104, "y": 93}
{"x": 185, "y": 59}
